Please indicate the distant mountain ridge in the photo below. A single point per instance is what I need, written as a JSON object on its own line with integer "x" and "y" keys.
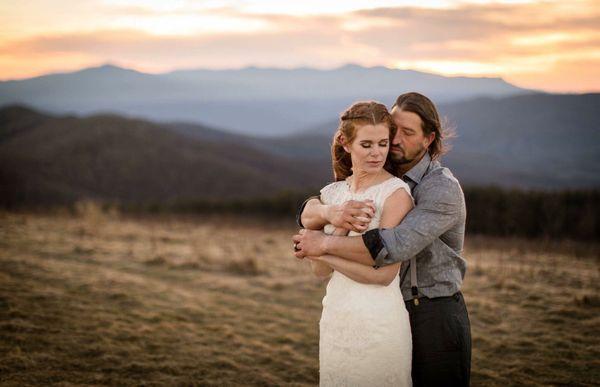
{"x": 250, "y": 101}
{"x": 530, "y": 141}
{"x": 539, "y": 141}
{"x": 49, "y": 160}
{"x": 534, "y": 141}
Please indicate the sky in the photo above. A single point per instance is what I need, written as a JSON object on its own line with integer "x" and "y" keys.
{"x": 547, "y": 45}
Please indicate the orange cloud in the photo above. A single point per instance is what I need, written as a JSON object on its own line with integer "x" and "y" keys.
{"x": 534, "y": 45}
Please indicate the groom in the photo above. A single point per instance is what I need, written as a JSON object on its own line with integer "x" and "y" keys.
{"x": 428, "y": 242}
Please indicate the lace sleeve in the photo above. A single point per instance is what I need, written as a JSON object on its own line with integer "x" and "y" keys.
{"x": 394, "y": 185}
{"x": 329, "y": 193}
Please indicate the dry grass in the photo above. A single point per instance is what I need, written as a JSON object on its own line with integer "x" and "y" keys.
{"x": 98, "y": 298}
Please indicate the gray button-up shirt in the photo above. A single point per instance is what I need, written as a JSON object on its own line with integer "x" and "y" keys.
{"x": 433, "y": 231}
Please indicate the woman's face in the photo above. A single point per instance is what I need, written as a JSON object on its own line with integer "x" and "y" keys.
{"x": 370, "y": 147}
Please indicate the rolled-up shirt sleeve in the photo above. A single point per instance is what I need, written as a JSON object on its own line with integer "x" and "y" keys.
{"x": 439, "y": 207}
{"x": 374, "y": 243}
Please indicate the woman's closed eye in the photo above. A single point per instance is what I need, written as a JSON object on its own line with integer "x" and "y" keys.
{"x": 368, "y": 144}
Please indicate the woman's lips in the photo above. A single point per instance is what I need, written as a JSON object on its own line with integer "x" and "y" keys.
{"x": 374, "y": 163}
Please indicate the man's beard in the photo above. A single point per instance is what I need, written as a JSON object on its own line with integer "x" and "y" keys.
{"x": 402, "y": 159}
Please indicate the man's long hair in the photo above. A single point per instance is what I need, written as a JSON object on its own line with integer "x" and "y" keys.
{"x": 425, "y": 109}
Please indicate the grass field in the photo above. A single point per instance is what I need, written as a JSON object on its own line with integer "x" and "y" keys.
{"x": 96, "y": 298}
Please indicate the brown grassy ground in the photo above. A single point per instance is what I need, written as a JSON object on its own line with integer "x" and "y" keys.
{"x": 108, "y": 299}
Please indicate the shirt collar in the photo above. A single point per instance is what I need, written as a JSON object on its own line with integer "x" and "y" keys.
{"x": 416, "y": 173}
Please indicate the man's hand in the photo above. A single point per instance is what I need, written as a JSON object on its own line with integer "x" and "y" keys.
{"x": 353, "y": 215}
{"x": 309, "y": 242}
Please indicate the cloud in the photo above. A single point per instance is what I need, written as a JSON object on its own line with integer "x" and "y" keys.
{"x": 223, "y": 50}
{"x": 478, "y": 23}
{"x": 509, "y": 40}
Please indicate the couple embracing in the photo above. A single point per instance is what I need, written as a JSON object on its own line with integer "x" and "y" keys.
{"x": 388, "y": 234}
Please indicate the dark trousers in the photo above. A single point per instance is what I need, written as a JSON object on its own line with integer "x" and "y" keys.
{"x": 441, "y": 336}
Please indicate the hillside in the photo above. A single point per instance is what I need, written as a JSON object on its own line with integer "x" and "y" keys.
{"x": 532, "y": 141}
{"x": 540, "y": 141}
{"x": 48, "y": 159}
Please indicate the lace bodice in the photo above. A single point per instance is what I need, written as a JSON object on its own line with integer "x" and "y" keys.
{"x": 340, "y": 192}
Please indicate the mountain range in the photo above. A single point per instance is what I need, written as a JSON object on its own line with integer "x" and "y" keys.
{"x": 531, "y": 141}
{"x": 535, "y": 141}
{"x": 119, "y": 134}
{"x": 48, "y": 159}
{"x": 250, "y": 101}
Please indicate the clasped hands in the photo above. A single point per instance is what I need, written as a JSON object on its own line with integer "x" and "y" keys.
{"x": 352, "y": 215}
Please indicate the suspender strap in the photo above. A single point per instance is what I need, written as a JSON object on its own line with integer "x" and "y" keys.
{"x": 414, "y": 287}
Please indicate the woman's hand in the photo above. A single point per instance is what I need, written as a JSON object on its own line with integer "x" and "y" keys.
{"x": 353, "y": 215}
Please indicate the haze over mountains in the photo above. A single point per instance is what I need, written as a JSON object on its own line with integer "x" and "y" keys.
{"x": 538, "y": 141}
{"x": 250, "y": 101}
{"x": 46, "y": 159}
{"x": 506, "y": 138}
{"x": 530, "y": 141}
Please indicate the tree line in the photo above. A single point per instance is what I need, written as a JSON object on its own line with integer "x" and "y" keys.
{"x": 490, "y": 211}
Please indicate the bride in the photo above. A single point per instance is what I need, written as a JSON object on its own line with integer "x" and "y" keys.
{"x": 365, "y": 337}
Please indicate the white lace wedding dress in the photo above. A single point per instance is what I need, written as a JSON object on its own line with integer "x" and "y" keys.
{"x": 365, "y": 337}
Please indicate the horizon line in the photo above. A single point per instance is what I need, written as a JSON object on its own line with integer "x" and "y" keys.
{"x": 113, "y": 64}
{"x": 249, "y": 67}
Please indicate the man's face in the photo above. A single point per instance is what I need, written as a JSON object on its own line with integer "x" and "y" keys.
{"x": 410, "y": 143}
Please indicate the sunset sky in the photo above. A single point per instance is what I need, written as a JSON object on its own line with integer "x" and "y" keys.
{"x": 549, "y": 45}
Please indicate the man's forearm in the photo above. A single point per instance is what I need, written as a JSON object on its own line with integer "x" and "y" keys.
{"x": 349, "y": 248}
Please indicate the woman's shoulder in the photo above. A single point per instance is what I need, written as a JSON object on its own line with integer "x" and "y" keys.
{"x": 334, "y": 185}
{"x": 395, "y": 181}
{"x": 392, "y": 185}
{"x": 390, "y": 181}
{"x": 331, "y": 191}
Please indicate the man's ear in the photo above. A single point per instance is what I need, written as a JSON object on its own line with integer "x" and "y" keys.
{"x": 430, "y": 138}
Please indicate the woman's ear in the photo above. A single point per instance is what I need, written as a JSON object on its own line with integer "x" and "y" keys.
{"x": 343, "y": 142}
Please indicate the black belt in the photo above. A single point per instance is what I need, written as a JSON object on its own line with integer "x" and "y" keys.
{"x": 455, "y": 296}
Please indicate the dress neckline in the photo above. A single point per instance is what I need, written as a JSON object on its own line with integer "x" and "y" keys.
{"x": 366, "y": 189}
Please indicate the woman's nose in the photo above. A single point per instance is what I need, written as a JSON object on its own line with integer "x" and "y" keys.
{"x": 376, "y": 152}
